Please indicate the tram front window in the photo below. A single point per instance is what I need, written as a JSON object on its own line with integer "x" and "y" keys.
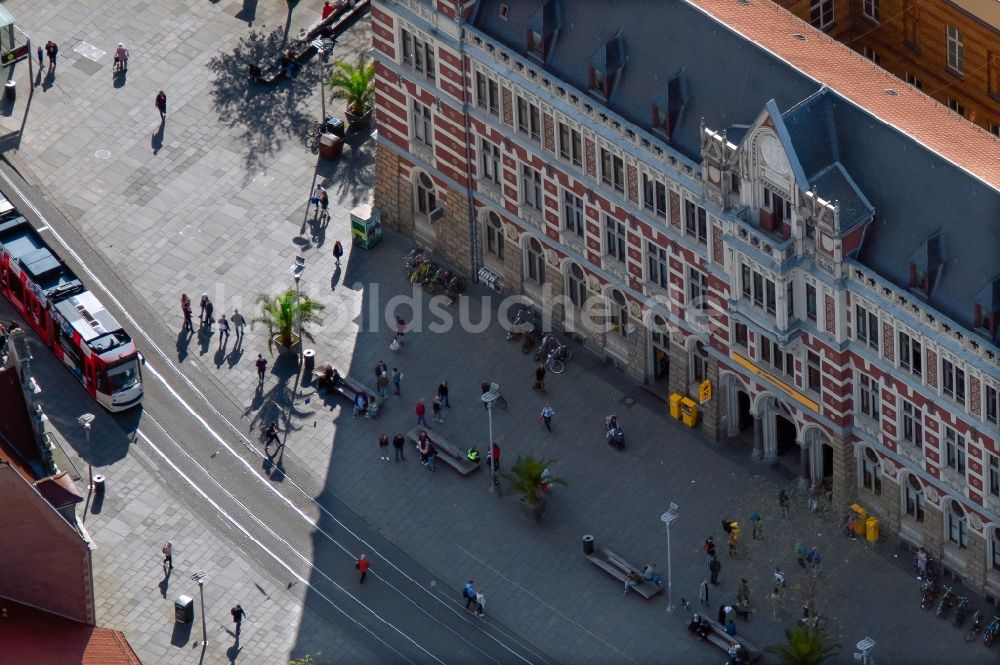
{"x": 124, "y": 376}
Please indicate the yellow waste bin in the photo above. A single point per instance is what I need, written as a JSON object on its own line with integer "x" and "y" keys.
{"x": 689, "y": 412}
{"x": 859, "y": 519}
{"x": 675, "y": 406}
{"x": 871, "y": 530}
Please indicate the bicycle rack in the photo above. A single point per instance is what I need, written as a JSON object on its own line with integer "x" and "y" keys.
{"x": 863, "y": 653}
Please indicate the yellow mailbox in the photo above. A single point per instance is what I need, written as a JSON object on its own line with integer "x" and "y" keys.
{"x": 871, "y": 530}
{"x": 859, "y": 519}
{"x": 689, "y": 412}
{"x": 675, "y": 406}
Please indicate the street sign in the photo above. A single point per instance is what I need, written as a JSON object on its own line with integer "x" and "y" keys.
{"x": 17, "y": 54}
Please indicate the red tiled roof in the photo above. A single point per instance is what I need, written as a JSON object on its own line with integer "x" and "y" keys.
{"x": 32, "y": 637}
{"x": 864, "y": 83}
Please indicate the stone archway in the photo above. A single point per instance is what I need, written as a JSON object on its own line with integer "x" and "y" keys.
{"x": 775, "y": 430}
{"x": 817, "y": 462}
{"x": 737, "y": 405}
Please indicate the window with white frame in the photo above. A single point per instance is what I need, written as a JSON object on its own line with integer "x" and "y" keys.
{"x": 618, "y": 312}
{"x": 657, "y": 266}
{"x": 573, "y": 213}
{"x": 531, "y": 187}
{"x": 695, "y": 221}
{"x": 871, "y": 472}
{"x": 612, "y": 170}
{"x": 913, "y": 423}
{"x": 954, "y": 444}
{"x": 866, "y": 329}
{"x": 654, "y": 196}
{"x": 418, "y": 54}
{"x": 570, "y": 144}
{"x": 489, "y": 160}
{"x": 911, "y": 356}
{"x": 811, "y": 302}
{"x": 991, "y": 408}
{"x": 771, "y": 354}
{"x": 422, "y": 124}
{"x": 814, "y": 372}
{"x": 426, "y": 196}
{"x": 487, "y": 94}
{"x": 913, "y": 497}
{"x": 868, "y": 397}
{"x": 528, "y": 119}
{"x": 615, "y": 238}
{"x": 952, "y": 380}
{"x": 577, "y": 286}
{"x": 871, "y": 9}
{"x": 494, "y": 235}
{"x": 993, "y": 475}
{"x": 956, "y": 50}
{"x": 534, "y": 265}
{"x": 821, "y": 13}
{"x": 697, "y": 288}
{"x": 958, "y": 525}
{"x": 760, "y": 290}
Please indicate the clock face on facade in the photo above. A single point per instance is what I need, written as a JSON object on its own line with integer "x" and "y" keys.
{"x": 773, "y": 154}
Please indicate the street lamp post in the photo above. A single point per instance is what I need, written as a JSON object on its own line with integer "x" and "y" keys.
{"x": 298, "y": 268}
{"x": 199, "y": 577}
{"x": 668, "y": 518}
{"x": 85, "y": 420}
{"x": 489, "y": 399}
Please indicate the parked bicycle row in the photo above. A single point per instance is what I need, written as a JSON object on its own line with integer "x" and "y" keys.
{"x": 436, "y": 279}
{"x": 548, "y": 348}
{"x": 949, "y": 600}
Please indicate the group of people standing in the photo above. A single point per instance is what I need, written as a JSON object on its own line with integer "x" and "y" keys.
{"x": 205, "y": 319}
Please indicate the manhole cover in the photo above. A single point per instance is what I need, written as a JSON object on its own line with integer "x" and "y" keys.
{"x": 629, "y": 401}
{"x": 103, "y": 154}
{"x": 189, "y": 232}
{"x": 89, "y": 51}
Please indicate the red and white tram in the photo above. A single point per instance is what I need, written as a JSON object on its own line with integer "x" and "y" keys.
{"x": 69, "y": 318}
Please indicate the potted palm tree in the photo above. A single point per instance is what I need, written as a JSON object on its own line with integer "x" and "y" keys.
{"x": 355, "y": 84}
{"x": 282, "y": 314}
{"x": 529, "y": 476}
{"x": 803, "y": 647}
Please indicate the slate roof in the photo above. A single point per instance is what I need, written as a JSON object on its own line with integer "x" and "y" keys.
{"x": 869, "y": 140}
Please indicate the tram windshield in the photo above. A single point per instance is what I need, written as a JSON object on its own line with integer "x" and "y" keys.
{"x": 123, "y": 376}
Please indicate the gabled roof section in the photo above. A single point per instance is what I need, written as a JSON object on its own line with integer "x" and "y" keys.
{"x": 610, "y": 57}
{"x": 929, "y": 256}
{"x": 834, "y": 184}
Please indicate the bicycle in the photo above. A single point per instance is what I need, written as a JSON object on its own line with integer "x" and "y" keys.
{"x": 557, "y": 358}
{"x": 312, "y": 138}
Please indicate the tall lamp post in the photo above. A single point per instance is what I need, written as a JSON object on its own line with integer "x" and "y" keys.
{"x": 668, "y": 518}
{"x": 298, "y": 268}
{"x": 199, "y": 577}
{"x": 85, "y": 420}
{"x": 489, "y": 399}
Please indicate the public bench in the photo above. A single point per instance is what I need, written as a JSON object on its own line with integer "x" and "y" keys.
{"x": 720, "y": 638}
{"x": 347, "y": 387}
{"x": 447, "y": 452}
{"x": 618, "y": 568}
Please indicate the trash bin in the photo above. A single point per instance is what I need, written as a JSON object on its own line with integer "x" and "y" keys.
{"x": 588, "y": 544}
{"x": 308, "y": 361}
{"x": 335, "y": 126}
{"x": 859, "y": 523}
{"x": 99, "y": 485}
{"x": 330, "y": 146}
{"x": 9, "y": 91}
{"x": 184, "y": 609}
{"x": 689, "y": 412}
{"x": 871, "y": 530}
{"x": 675, "y": 406}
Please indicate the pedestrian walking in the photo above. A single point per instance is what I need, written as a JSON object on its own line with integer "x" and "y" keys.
{"x": 812, "y": 497}
{"x": 755, "y": 525}
{"x": 423, "y": 447}
{"x": 539, "y": 379}
{"x": 421, "y": 411}
{"x": 271, "y": 436}
{"x": 52, "y": 50}
{"x": 383, "y": 447}
{"x": 714, "y": 567}
{"x": 397, "y": 379}
{"x": 238, "y": 616}
{"x": 161, "y": 104}
{"x": 40, "y": 52}
{"x": 168, "y": 556}
{"x": 779, "y": 579}
{"x": 432, "y": 454}
{"x": 324, "y": 206}
{"x": 800, "y": 554}
{"x": 204, "y": 304}
{"x": 546, "y": 417}
{"x": 733, "y": 541}
{"x": 238, "y": 323}
{"x": 922, "y": 563}
{"x": 314, "y": 197}
{"x": 703, "y": 592}
{"x": 261, "y": 364}
{"x": 223, "y": 330}
{"x": 338, "y": 251}
{"x": 710, "y": 546}
{"x": 436, "y": 408}
{"x": 775, "y": 601}
{"x": 469, "y": 593}
{"x": 327, "y": 9}
{"x": 443, "y": 394}
{"x": 398, "y": 442}
{"x": 400, "y": 329}
{"x": 363, "y": 565}
{"x": 382, "y": 385}
{"x": 783, "y": 503}
{"x": 121, "y": 59}
{"x": 186, "y": 311}
{"x": 360, "y": 405}
{"x": 480, "y": 603}
{"x": 813, "y": 557}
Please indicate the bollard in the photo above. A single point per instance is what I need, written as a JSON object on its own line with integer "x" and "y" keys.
{"x": 99, "y": 485}
{"x": 588, "y": 544}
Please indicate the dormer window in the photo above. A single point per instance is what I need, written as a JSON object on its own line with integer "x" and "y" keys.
{"x": 598, "y": 82}
{"x": 542, "y": 29}
{"x": 536, "y": 45}
{"x": 605, "y": 67}
{"x": 986, "y": 314}
{"x": 925, "y": 265}
{"x": 669, "y": 103}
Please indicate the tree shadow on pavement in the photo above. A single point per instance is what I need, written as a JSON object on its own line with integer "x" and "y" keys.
{"x": 349, "y": 180}
{"x": 278, "y": 403}
{"x": 266, "y": 115}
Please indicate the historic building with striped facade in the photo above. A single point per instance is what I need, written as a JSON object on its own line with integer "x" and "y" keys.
{"x": 747, "y": 202}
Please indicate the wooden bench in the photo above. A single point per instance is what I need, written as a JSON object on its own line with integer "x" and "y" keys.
{"x": 447, "y": 452}
{"x": 618, "y": 568}
{"x": 720, "y": 638}
{"x": 350, "y": 388}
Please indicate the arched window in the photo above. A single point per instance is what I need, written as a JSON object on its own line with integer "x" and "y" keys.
{"x": 534, "y": 268}
{"x": 871, "y": 472}
{"x": 660, "y": 332}
{"x": 577, "y": 285}
{"x": 618, "y": 312}
{"x": 494, "y": 235}
{"x": 958, "y": 525}
{"x": 699, "y": 363}
{"x": 914, "y": 498}
{"x": 426, "y": 199}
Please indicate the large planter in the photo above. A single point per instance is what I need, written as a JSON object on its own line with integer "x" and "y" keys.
{"x": 533, "y": 510}
{"x": 291, "y": 350}
{"x": 356, "y": 123}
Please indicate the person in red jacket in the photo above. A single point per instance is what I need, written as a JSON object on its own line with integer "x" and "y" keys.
{"x": 421, "y": 411}
{"x": 327, "y": 9}
{"x": 363, "y": 564}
